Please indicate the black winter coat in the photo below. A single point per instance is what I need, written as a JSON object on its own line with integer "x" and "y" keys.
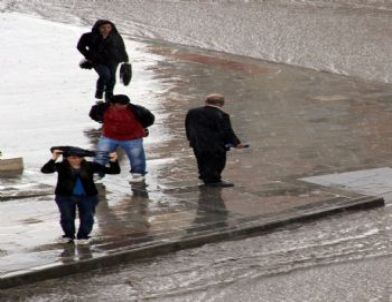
{"x": 109, "y": 51}
{"x": 145, "y": 117}
{"x": 209, "y": 129}
{"x": 66, "y": 178}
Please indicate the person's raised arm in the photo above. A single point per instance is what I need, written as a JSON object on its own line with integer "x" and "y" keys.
{"x": 50, "y": 166}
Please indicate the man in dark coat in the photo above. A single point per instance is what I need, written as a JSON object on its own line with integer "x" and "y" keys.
{"x": 210, "y": 134}
{"x": 104, "y": 49}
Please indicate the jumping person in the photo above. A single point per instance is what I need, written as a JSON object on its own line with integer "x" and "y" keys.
{"x": 76, "y": 189}
{"x": 209, "y": 132}
{"x": 103, "y": 49}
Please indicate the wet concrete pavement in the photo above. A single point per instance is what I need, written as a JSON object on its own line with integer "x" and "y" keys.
{"x": 149, "y": 222}
{"x": 300, "y": 124}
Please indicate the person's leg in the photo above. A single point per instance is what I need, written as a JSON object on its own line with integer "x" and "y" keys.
{"x": 104, "y": 77}
{"x": 86, "y": 207}
{"x": 206, "y": 167}
{"x": 104, "y": 147}
{"x": 200, "y": 162}
{"x": 111, "y": 82}
{"x": 210, "y": 165}
{"x": 67, "y": 210}
{"x": 216, "y": 164}
{"x": 135, "y": 152}
{"x": 219, "y": 163}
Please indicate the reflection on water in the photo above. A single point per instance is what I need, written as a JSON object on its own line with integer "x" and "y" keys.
{"x": 73, "y": 252}
{"x": 126, "y": 217}
{"x": 211, "y": 210}
{"x": 274, "y": 267}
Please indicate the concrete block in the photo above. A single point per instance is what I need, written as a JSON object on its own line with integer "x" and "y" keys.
{"x": 11, "y": 166}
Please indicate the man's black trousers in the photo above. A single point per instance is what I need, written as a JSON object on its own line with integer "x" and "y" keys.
{"x": 210, "y": 164}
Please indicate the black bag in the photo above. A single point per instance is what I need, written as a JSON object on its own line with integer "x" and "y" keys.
{"x": 126, "y": 73}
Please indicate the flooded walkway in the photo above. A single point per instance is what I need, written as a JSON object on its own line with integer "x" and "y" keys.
{"x": 302, "y": 126}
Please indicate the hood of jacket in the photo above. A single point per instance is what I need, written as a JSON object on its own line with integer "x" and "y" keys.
{"x": 100, "y": 22}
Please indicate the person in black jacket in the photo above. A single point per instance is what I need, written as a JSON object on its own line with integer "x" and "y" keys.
{"x": 209, "y": 132}
{"x": 103, "y": 49}
{"x": 76, "y": 189}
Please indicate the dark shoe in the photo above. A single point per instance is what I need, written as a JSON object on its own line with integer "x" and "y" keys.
{"x": 99, "y": 95}
{"x": 220, "y": 184}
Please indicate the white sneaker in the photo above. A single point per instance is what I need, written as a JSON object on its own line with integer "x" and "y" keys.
{"x": 83, "y": 241}
{"x": 136, "y": 177}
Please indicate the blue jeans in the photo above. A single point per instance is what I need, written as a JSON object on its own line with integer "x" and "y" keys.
{"x": 133, "y": 148}
{"x": 107, "y": 77}
{"x": 86, "y": 207}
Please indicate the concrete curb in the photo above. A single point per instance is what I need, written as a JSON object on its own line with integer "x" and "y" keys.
{"x": 246, "y": 228}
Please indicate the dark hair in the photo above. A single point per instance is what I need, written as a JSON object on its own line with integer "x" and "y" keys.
{"x": 120, "y": 99}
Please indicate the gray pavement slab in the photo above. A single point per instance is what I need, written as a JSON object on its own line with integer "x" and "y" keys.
{"x": 376, "y": 182}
